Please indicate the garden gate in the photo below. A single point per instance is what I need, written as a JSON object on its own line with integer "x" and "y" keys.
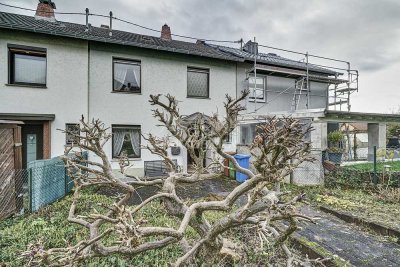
{"x": 10, "y": 162}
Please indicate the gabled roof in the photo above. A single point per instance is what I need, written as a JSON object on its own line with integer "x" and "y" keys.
{"x": 78, "y": 31}
{"x": 273, "y": 59}
{"x": 99, "y": 34}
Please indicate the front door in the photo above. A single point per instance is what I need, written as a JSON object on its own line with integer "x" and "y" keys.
{"x": 32, "y": 143}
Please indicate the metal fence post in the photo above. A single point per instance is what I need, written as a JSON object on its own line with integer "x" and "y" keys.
{"x": 65, "y": 181}
{"x": 375, "y": 169}
{"x": 30, "y": 189}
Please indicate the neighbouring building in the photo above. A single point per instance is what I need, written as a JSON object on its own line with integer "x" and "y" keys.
{"x": 52, "y": 72}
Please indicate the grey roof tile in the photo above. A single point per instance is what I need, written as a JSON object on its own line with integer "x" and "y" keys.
{"x": 73, "y": 30}
{"x": 273, "y": 59}
{"x": 98, "y": 34}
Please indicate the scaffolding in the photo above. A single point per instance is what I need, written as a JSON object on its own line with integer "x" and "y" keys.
{"x": 343, "y": 81}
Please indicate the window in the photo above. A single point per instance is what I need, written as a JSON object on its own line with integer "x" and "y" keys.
{"x": 72, "y": 129}
{"x": 248, "y": 132}
{"x": 228, "y": 138}
{"x": 198, "y": 82}
{"x": 126, "y": 139}
{"x": 27, "y": 65}
{"x": 257, "y": 89}
{"x": 126, "y": 76}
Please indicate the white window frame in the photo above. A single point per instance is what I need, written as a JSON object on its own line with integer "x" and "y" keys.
{"x": 131, "y": 62}
{"x": 205, "y": 71}
{"x": 251, "y": 88}
{"x": 69, "y": 139}
{"x": 115, "y": 127}
{"x": 228, "y": 139}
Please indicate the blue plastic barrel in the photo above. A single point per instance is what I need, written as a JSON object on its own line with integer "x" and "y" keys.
{"x": 244, "y": 162}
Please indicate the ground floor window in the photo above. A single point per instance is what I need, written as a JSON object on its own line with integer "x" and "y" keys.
{"x": 228, "y": 138}
{"x": 126, "y": 139}
{"x": 72, "y": 131}
{"x": 247, "y": 133}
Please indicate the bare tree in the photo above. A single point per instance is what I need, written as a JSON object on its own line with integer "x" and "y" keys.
{"x": 278, "y": 148}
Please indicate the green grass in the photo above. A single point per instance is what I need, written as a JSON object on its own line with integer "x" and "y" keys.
{"x": 49, "y": 226}
{"x": 370, "y": 166}
{"x": 361, "y": 203}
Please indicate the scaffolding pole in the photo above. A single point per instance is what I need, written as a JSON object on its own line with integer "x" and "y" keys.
{"x": 255, "y": 76}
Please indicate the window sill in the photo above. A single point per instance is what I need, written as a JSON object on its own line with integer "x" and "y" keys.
{"x": 257, "y": 101}
{"x": 70, "y": 145}
{"x": 26, "y": 85}
{"x": 130, "y": 159}
{"x": 126, "y": 92}
{"x": 198, "y": 97}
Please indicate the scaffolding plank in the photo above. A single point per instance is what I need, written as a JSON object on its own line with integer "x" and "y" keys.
{"x": 345, "y": 90}
{"x": 338, "y": 102}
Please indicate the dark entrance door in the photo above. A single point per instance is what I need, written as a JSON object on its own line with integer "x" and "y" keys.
{"x": 190, "y": 160}
{"x": 32, "y": 143}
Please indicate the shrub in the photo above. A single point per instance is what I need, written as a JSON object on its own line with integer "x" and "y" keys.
{"x": 335, "y": 137}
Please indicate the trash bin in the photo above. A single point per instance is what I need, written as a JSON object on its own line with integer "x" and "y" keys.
{"x": 231, "y": 170}
{"x": 228, "y": 172}
{"x": 244, "y": 162}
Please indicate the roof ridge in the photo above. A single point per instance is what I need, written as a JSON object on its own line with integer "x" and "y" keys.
{"x": 78, "y": 31}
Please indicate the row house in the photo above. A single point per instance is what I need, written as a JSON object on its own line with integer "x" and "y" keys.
{"x": 53, "y": 72}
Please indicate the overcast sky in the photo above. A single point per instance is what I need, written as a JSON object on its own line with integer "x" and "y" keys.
{"x": 364, "y": 32}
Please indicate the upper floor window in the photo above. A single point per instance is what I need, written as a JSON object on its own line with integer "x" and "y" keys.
{"x": 126, "y": 139}
{"x": 72, "y": 133}
{"x": 257, "y": 89}
{"x": 198, "y": 82}
{"x": 126, "y": 76}
{"x": 27, "y": 65}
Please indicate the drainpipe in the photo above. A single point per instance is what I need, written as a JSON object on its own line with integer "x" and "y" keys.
{"x": 255, "y": 76}
{"x": 88, "y": 84}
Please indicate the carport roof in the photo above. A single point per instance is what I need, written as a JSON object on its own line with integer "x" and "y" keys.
{"x": 327, "y": 115}
{"x": 345, "y": 116}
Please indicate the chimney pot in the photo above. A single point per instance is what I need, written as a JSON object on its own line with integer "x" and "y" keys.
{"x": 166, "y": 33}
{"x": 45, "y": 10}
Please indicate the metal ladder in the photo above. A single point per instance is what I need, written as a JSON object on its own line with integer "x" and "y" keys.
{"x": 300, "y": 88}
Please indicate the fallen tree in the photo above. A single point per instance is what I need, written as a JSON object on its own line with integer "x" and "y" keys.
{"x": 278, "y": 148}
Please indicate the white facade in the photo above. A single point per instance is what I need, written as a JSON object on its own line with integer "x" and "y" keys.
{"x": 279, "y": 92}
{"x": 161, "y": 73}
{"x": 79, "y": 82}
{"x": 67, "y": 80}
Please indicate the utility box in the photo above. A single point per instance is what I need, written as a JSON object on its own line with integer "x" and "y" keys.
{"x": 244, "y": 162}
{"x": 175, "y": 150}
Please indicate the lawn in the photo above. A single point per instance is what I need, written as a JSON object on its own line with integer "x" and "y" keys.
{"x": 49, "y": 227}
{"x": 369, "y": 166}
{"x": 365, "y": 204}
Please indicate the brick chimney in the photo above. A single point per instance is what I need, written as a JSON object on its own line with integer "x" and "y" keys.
{"x": 45, "y": 10}
{"x": 166, "y": 33}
